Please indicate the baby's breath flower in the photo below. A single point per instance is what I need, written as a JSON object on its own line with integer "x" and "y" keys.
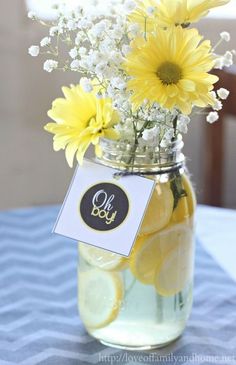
{"x": 223, "y": 93}
{"x": 33, "y": 51}
{"x": 73, "y": 52}
{"x": 218, "y": 105}
{"x": 150, "y": 10}
{"x": 31, "y": 15}
{"x": 80, "y": 37}
{"x": 212, "y": 117}
{"x": 150, "y": 134}
{"x": 126, "y": 49}
{"x": 98, "y": 29}
{"x": 228, "y": 59}
{"x": 118, "y": 83}
{"x": 133, "y": 29}
{"x": 129, "y": 6}
{"x": 182, "y": 123}
{"x": 82, "y": 51}
{"x": 50, "y": 65}
{"x": 45, "y": 41}
{"x": 225, "y": 36}
{"x": 71, "y": 24}
{"x": 219, "y": 63}
{"x": 75, "y": 65}
{"x": 84, "y": 24}
{"x": 53, "y": 31}
{"x": 86, "y": 84}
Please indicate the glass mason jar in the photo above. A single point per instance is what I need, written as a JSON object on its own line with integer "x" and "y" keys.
{"x": 143, "y": 302}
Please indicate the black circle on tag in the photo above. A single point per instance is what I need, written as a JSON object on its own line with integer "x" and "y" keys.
{"x": 104, "y": 206}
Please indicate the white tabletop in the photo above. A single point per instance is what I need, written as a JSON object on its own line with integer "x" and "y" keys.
{"x": 216, "y": 230}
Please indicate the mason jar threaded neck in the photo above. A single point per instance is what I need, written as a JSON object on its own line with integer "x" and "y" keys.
{"x": 136, "y": 158}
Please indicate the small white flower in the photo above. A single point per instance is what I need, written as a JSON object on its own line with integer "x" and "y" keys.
{"x": 228, "y": 55}
{"x": 218, "y": 105}
{"x": 116, "y": 57}
{"x": 213, "y": 94}
{"x": 84, "y": 24}
{"x": 212, "y": 117}
{"x": 82, "y": 51}
{"x": 80, "y": 37}
{"x": 34, "y": 51}
{"x": 31, "y": 15}
{"x": 182, "y": 124}
{"x": 169, "y": 134}
{"x": 219, "y": 63}
{"x": 71, "y": 24}
{"x": 45, "y": 41}
{"x": 223, "y": 93}
{"x": 225, "y": 36}
{"x": 118, "y": 83}
{"x": 53, "y": 31}
{"x": 126, "y": 49}
{"x": 228, "y": 59}
{"x": 129, "y": 6}
{"x": 150, "y": 134}
{"x": 85, "y": 83}
{"x": 133, "y": 29}
{"x": 150, "y": 10}
{"x": 75, "y": 65}
{"x": 184, "y": 119}
{"x": 99, "y": 29}
{"x": 164, "y": 143}
{"x": 73, "y": 53}
{"x": 100, "y": 68}
{"x": 50, "y": 65}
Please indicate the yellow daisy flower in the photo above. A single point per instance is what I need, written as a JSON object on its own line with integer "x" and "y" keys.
{"x": 185, "y": 12}
{"x": 81, "y": 119}
{"x": 171, "y": 12}
{"x": 171, "y": 68}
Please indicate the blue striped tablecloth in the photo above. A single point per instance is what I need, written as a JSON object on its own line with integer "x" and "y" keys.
{"x": 39, "y": 323}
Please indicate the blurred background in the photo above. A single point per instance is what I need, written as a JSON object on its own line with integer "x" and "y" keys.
{"x": 31, "y": 173}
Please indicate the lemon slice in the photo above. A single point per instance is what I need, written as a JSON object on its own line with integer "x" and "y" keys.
{"x": 191, "y": 196}
{"x": 159, "y": 211}
{"x": 186, "y": 205}
{"x": 149, "y": 252}
{"x": 100, "y": 297}
{"x": 176, "y": 269}
{"x": 102, "y": 259}
{"x": 144, "y": 259}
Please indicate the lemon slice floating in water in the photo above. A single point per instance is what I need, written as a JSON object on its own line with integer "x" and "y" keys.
{"x": 102, "y": 259}
{"x": 176, "y": 268}
{"x": 100, "y": 297}
{"x": 150, "y": 252}
{"x": 159, "y": 211}
{"x": 186, "y": 205}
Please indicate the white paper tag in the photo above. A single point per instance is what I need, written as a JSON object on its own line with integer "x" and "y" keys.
{"x": 103, "y": 211}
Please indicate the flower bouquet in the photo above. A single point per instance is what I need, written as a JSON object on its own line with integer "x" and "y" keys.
{"x": 143, "y": 69}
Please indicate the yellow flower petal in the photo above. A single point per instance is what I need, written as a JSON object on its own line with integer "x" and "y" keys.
{"x": 172, "y": 70}
{"x": 81, "y": 119}
{"x": 169, "y": 13}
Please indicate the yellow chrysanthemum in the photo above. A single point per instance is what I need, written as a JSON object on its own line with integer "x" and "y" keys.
{"x": 171, "y": 12}
{"x": 81, "y": 119}
{"x": 185, "y": 12}
{"x": 171, "y": 68}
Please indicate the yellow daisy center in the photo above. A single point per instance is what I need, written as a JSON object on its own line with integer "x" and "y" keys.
{"x": 169, "y": 73}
